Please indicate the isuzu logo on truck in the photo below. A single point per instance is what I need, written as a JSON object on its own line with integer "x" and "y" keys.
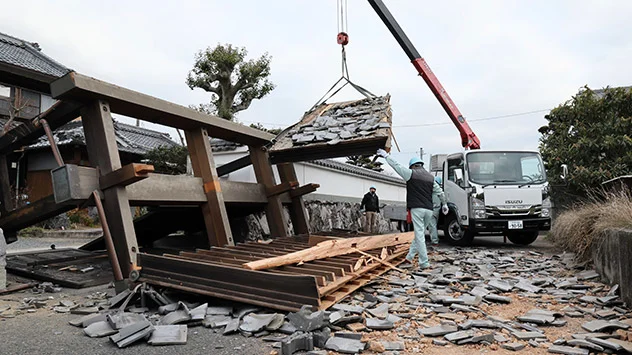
{"x": 514, "y": 202}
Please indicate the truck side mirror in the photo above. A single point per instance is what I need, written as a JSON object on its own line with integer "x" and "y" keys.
{"x": 564, "y": 172}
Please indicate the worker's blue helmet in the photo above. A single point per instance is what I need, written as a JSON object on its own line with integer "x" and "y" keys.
{"x": 438, "y": 179}
{"x": 372, "y": 187}
{"x": 415, "y": 160}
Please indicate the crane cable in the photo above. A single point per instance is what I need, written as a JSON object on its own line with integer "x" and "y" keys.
{"x": 343, "y": 40}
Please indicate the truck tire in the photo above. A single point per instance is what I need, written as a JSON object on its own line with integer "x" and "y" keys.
{"x": 525, "y": 238}
{"x": 453, "y": 232}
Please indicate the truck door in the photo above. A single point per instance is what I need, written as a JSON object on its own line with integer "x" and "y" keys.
{"x": 454, "y": 185}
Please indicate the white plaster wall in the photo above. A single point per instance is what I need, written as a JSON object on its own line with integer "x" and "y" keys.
{"x": 332, "y": 182}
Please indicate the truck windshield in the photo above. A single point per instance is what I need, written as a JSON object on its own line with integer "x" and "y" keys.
{"x": 505, "y": 168}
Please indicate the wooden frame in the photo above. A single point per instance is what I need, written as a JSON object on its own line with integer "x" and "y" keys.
{"x": 134, "y": 184}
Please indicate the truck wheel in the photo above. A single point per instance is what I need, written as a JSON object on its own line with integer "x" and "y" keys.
{"x": 453, "y": 232}
{"x": 525, "y": 238}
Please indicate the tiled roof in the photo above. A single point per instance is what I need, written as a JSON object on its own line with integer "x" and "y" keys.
{"x": 130, "y": 139}
{"x": 221, "y": 145}
{"x": 357, "y": 170}
{"x": 344, "y": 121}
{"x": 28, "y": 55}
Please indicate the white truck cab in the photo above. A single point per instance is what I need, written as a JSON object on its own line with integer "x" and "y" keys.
{"x": 501, "y": 193}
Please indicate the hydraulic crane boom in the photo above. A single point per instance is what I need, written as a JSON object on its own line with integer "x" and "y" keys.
{"x": 469, "y": 140}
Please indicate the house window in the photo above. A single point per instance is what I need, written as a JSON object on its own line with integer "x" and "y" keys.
{"x": 29, "y": 104}
{"x": 5, "y": 91}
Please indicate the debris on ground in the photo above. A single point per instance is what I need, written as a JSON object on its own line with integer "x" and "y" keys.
{"x": 508, "y": 301}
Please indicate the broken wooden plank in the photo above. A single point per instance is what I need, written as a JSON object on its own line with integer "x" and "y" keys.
{"x": 126, "y": 175}
{"x": 331, "y": 248}
{"x": 386, "y": 263}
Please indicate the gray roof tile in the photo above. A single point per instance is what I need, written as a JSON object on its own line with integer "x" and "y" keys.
{"x": 20, "y": 53}
{"x": 130, "y": 139}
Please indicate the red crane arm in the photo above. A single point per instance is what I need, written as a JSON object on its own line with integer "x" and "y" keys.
{"x": 469, "y": 140}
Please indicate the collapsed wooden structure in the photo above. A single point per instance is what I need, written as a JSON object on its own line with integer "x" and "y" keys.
{"x": 121, "y": 186}
{"x": 321, "y": 283}
{"x": 217, "y": 271}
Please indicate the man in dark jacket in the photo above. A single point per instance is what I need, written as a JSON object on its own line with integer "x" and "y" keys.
{"x": 420, "y": 190}
{"x": 371, "y": 204}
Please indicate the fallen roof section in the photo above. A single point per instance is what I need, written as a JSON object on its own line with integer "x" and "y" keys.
{"x": 77, "y": 87}
{"x": 218, "y": 272}
{"x": 340, "y": 129}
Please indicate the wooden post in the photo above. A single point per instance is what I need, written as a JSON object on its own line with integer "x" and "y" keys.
{"x": 214, "y": 210}
{"x": 6, "y": 202}
{"x": 103, "y": 153}
{"x": 298, "y": 213}
{"x": 265, "y": 176}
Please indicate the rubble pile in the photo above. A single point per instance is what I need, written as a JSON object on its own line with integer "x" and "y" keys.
{"x": 493, "y": 299}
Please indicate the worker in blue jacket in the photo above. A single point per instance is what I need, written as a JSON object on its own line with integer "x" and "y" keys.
{"x": 420, "y": 188}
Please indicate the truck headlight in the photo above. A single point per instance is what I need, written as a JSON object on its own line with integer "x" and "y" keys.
{"x": 546, "y": 207}
{"x": 478, "y": 208}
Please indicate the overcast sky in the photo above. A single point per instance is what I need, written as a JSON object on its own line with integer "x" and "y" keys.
{"x": 494, "y": 58}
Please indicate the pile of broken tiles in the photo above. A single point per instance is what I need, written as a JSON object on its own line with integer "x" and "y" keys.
{"x": 461, "y": 299}
{"x": 465, "y": 299}
{"x": 359, "y": 119}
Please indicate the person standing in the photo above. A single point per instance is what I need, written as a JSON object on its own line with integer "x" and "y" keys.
{"x": 420, "y": 188}
{"x": 371, "y": 204}
{"x": 436, "y": 207}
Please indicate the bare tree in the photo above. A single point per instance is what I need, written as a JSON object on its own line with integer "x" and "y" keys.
{"x": 16, "y": 106}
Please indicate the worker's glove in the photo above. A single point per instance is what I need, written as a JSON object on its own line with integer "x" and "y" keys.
{"x": 445, "y": 209}
{"x": 381, "y": 153}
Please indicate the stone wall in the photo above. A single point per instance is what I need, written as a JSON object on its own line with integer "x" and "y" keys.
{"x": 611, "y": 257}
{"x": 323, "y": 216}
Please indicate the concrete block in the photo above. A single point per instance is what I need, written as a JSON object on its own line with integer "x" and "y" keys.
{"x": 168, "y": 335}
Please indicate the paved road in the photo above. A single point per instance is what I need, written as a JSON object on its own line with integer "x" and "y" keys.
{"x": 34, "y": 244}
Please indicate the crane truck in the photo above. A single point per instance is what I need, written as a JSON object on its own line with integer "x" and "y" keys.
{"x": 489, "y": 193}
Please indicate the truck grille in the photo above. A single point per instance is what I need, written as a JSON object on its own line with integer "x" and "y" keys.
{"x": 513, "y": 211}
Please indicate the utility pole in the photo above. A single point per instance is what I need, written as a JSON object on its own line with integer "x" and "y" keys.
{"x": 421, "y": 153}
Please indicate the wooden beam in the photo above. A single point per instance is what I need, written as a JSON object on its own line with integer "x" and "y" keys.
{"x": 330, "y": 248}
{"x": 304, "y": 190}
{"x": 57, "y": 115}
{"x": 77, "y": 87}
{"x": 126, "y": 175}
{"x": 265, "y": 176}
{"x": 298, "y": 212}
{"x": 74, "y": 184}
{"x": 281, "y": 188}
{"x": 214, "y": 209}
{"x": 315, "y": 239}
{"x": 234, "y": 165}
{"x": 103, "y": 151}
{"x": 6, "y": 202}
{"x": 32, "y": 213}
